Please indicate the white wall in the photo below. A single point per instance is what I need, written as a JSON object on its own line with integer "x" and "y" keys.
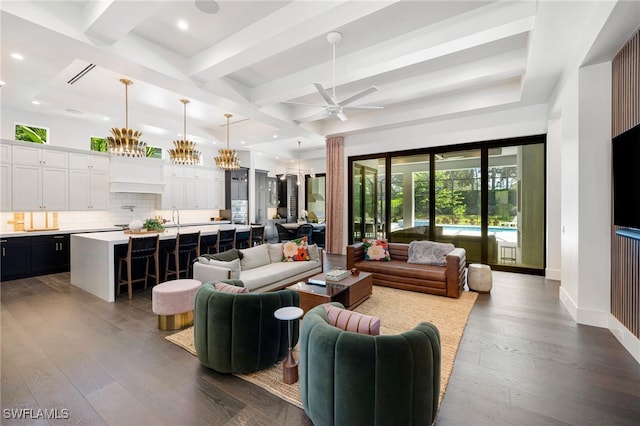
{"x": 585, "y": 106}
{"x": 554, "y": 200}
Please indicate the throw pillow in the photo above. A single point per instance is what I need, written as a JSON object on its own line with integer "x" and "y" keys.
{"x": 225, "y": 256}
{"x": 376, "y": 250}
{"x": 233, "y": 266}
{"x": 254, "y": 257}
{"x": 229, "y": 288}
{"x": 295, "y": 250}
{"x": 314, "y": 252}
{"x": 429, "y": 252}
{"x": 352, "y": 321}
{"x": 275, "y": 252}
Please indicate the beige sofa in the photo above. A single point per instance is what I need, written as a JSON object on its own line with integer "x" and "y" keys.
{"x": 445, "y": 280}
{"x": 261, "y": 268}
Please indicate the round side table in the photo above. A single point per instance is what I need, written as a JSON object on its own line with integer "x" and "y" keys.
{"x": 290, "y": 365}
{"x": 479, "y": 278}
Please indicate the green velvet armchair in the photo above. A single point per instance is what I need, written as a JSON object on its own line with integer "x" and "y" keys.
{"x": 354, "y": 379}
{"x": 237, "y": 333}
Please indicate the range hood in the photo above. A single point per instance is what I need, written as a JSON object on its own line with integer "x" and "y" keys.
{"x": 139, "y": 175}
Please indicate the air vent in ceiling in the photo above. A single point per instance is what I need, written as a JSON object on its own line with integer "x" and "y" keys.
{"x": 81, "y": 74}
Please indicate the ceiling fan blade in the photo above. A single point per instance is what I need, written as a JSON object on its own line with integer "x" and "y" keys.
{"x": 342, "y": 116}
{"x": 324, "y": 94}
{"x": 362, "y": 108}
{"x": 312, "y": 117}
{"x": 358, "y": 96}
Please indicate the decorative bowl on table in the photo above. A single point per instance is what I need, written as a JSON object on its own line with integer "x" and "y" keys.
{"x": 136, "y": 225}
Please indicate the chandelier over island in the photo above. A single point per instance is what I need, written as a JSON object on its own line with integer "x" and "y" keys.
{"x": 227, "y": 158}
{"x": 300, "y": 172}
{"x": 184, "y": 151}
{"x": 126, "y": 142}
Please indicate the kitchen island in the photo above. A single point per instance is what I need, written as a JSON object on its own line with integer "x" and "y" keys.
{"x": 93, "y": 255}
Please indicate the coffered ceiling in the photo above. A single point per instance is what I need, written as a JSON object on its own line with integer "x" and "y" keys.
{"x": 428, "y": 59}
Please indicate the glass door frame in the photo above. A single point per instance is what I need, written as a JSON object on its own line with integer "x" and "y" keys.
{"x": 484, "y": 193}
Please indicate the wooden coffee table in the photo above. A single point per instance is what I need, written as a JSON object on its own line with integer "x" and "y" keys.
{"x": 350, "y": 291}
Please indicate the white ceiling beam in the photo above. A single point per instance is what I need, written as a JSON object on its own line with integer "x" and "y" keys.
{"x": 477, "y": 27}
{"x": 287, "y": 27}
{"x": 109, "y": 21}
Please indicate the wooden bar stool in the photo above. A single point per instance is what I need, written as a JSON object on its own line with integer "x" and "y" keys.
{"x": 139, "y": 248}
{"x": 226, "y": 240}
{"x": 186, "y": 245}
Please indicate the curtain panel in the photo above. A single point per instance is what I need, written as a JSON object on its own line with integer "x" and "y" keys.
{"x": 335, "y": 194}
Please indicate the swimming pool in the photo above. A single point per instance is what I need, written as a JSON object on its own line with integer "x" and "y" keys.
{"x": 455, "y": 229}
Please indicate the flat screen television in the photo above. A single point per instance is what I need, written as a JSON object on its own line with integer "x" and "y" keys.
{"x": 626, "y": 178}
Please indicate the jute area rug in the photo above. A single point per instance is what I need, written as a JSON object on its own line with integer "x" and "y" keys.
{"x": 399, "y": 311}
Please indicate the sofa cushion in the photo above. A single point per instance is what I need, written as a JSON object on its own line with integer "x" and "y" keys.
{"x": 275, "y": 252}
{"x": 429, "y": 252}
{"x": 230, "y": 288}
{"x": 274, "y": 272}
{"x": 376, "y": 250}
{"x": 295, "y": 250}
{"x": 403, "y": 269}
{"x": 233, "y": 266}
{"x": 254, "y": 257}
{"x": 352, "y": 321}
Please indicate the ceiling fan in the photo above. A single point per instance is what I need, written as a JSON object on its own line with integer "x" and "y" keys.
{"x": 333, "y": 106}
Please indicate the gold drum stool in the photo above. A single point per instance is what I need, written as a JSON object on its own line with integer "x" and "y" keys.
{"x": 173, "y": 302}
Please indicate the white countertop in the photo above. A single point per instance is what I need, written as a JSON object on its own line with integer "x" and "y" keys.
{"x": 100, "y": 229}
{"x": 119, "y": 237}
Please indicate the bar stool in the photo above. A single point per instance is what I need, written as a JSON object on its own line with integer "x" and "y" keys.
{"x": 226, "y": 240}
{"x": 139, "y": 248}
{"x": 186, "y": 244}
{"x": 243, "y": 239}
{"x": 256, "y": 237}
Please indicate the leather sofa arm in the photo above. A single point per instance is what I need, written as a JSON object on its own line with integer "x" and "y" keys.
{"x": 456, "y": 263}
{"x": 355, "y": 253}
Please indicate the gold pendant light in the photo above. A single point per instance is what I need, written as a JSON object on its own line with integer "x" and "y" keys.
{"x": 126, "y": 142}
{"x": 227, "y": 158}
{"x": 184, "y": 151}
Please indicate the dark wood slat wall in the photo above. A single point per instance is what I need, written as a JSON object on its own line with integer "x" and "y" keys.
{"x": 625, "y": 252}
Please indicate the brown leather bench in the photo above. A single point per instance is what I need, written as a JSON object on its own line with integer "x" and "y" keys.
{"x": 441, "y": 280}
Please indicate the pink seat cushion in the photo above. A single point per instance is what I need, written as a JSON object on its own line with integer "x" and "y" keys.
{"x": 174, "y": 297}
{"x": 228, "y": 288}
{"x": 352, "y": 321}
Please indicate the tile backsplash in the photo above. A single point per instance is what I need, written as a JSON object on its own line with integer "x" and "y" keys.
{"x": 124, "y": 207}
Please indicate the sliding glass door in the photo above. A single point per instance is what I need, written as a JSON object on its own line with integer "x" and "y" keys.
{"x": 486, "y": 198}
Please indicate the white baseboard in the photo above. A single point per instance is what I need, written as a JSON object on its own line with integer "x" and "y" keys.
{"x": 596, "y": 318}
{"x": 552, "y": 274}
{"x": 630, "y": 342}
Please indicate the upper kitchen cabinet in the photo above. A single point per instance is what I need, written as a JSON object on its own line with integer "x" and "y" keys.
{"x": 191, "y": 187}
{"x": 40, "y": 179}
{"x": 6, "y": 202}
{"x": 237, "y": 185}
{"x": 88, "y": 182}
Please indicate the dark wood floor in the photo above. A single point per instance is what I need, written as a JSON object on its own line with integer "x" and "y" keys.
{"x": 522, "y": 361}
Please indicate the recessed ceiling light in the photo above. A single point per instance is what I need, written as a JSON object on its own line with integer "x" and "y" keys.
{"x": 207, "y": 6}
{"x": 242, "y": 142}
{"x": 105, "y": 118}
{"x": 260, "y": 154}
{"x": 2, "y": 83}
{"x": 275, "y": 136}
{"x": 17, "y": 56}
{"x": 35, "y": 102}
{"x": 183, "y": 25}
{"x": 277, "y": 158}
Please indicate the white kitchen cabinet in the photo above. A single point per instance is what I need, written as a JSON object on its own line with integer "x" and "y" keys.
{"x": 39, "y": 188}
{"x": 88, "y": 182}
{"x": 88, "y": 162}
{"x": 88, "y": 190}
{"x": 6, "y": 202}
{"x": 215, "y": 193}
{"x": 173, "y": 195}
{"x": 190, "y": 187}
{"x": 36, "y": 156}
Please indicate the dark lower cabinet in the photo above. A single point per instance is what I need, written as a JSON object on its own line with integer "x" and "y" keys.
{"x": 16, "y": 258}
{"x": 30, "y": 256}
{"x": 50, "y": 254}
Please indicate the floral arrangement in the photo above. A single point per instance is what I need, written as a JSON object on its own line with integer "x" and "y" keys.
{"x": 153, "y": 225}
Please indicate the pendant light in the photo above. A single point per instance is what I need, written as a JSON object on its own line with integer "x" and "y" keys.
{"x": 126, "y": 142}
{"x": 184, "y": 151}
{"x": 227, "y": 158}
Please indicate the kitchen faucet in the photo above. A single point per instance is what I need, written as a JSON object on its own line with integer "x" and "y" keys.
{"x": 173, "y": 217}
